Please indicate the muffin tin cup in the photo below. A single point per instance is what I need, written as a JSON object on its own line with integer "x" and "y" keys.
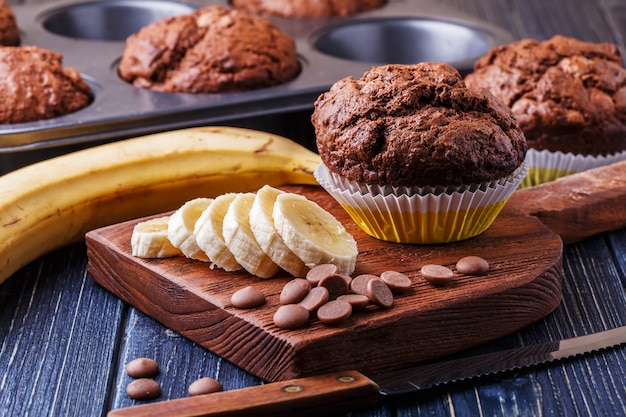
{"x": 91, "y": 37}
{"x": 545, "y": 166}
{"x": 421, "y": 215}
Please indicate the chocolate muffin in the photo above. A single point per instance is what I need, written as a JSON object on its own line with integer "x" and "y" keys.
{"x": 300, "y": 9}
{"x": 568, "y": 95}
{"x": 414, "y": 156}
{"x": 408, "y": 125}
{"x": 35, "y": 86}
{"x": 214, "y": 49}
{"x": 9, "y": 32}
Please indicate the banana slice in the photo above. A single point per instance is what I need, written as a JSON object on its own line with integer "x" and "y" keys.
{"x": 149, "y": 239}
{"x": 240, "y": 240}
{"x": 262, "y": 226}
{"x": 208, "y": 232}
{"x": 181, "y": 227}
{"x": 314, "y": 234}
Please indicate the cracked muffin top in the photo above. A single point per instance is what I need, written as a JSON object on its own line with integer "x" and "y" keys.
{"x": 9, "y": 32}
{"x": 300, "y": 9}
{"x": 35, "y": 86}
{"x": 568, "y": 95}
{"x": 214, "y": 49}
{"x": 416, "y": 125}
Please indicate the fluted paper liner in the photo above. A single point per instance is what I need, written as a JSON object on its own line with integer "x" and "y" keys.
{"x": 422, "y": 215}
{"x": 544, "y": 165}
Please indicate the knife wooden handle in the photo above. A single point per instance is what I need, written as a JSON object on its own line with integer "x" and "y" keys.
{"x": 334, "y": 392}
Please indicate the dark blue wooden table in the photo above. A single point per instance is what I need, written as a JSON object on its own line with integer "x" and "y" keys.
{"x": 64, "y": 340}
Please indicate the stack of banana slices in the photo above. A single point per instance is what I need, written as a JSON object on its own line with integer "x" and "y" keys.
{"x": 260, "y": 232}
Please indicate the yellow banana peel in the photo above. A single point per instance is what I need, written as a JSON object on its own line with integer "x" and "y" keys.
{"x": 53, "y": 203}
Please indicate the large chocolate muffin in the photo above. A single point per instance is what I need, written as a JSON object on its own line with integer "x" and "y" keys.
{"x": 35, "y": 86}
{"x": 9, "y": 32}
{"x": 299, "y": 9}
{"x": 214, "y": 49}
{"x": 568, "y": 95}
{"x": 415, "y": 125}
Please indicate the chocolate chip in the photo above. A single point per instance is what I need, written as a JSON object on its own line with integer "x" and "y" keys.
{"x": 248, "y": 297}
{"x": 335, "y": 284}
{"x": 142, "y": 368}
{"x": 204, "y": 386}
{"x": 437, "y": 274}
{"x": 379, "y": 293}
{"x": 348, "y": 279}
{"x": 314, "y": 299}
{"x": 143, "y": 389}
{"x": 294, "y": 291}
{"x": 291, "y": 316}
{"x": 315, "y": 274}
{"x": 334, "y": 312}
{"x": 472, "y": 265}
{"x": 359, "y": 283}
{"x": 357, "y": 301}
{"x": 396, "y": 281}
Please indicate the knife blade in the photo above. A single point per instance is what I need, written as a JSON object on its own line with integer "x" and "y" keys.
{"x": 347, "y": 390}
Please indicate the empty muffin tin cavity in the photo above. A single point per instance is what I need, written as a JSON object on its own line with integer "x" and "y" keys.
{"x": 91, "y": 37}
{"x": 405, "y": 41}
{"x": 111, "y": 20}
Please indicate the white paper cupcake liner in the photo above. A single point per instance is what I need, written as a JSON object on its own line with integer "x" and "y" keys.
{"x": 547, "y": 166}
{"x": 421, "y": 214}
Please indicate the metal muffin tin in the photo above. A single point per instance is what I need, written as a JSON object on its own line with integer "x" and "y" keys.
{"x": 91, "y": 36}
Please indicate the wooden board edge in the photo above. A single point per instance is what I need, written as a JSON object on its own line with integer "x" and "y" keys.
{"x": 577, "y": 206}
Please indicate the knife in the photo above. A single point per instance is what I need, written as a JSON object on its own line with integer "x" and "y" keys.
{"x": 347, "y": 390}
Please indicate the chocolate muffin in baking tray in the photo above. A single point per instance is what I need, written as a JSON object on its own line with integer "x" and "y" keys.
{"x": 35, "y": 86}
{"x": 9, "y": 31}
{"x": 299, "y": 9}
{"x": 213, "y": 49}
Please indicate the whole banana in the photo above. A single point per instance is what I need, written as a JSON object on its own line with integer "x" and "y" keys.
{"x": 53, "y": 203}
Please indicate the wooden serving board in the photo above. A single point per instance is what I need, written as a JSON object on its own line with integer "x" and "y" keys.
{"x": 523, "y": 285}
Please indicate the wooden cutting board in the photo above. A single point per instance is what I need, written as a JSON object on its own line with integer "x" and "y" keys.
{"x": 523, "y": 246}
{"x": 523, "y": 285}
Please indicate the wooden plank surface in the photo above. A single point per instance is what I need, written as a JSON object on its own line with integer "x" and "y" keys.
{"x": 52, "y": 309}
{"x": 60, "y": 334}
